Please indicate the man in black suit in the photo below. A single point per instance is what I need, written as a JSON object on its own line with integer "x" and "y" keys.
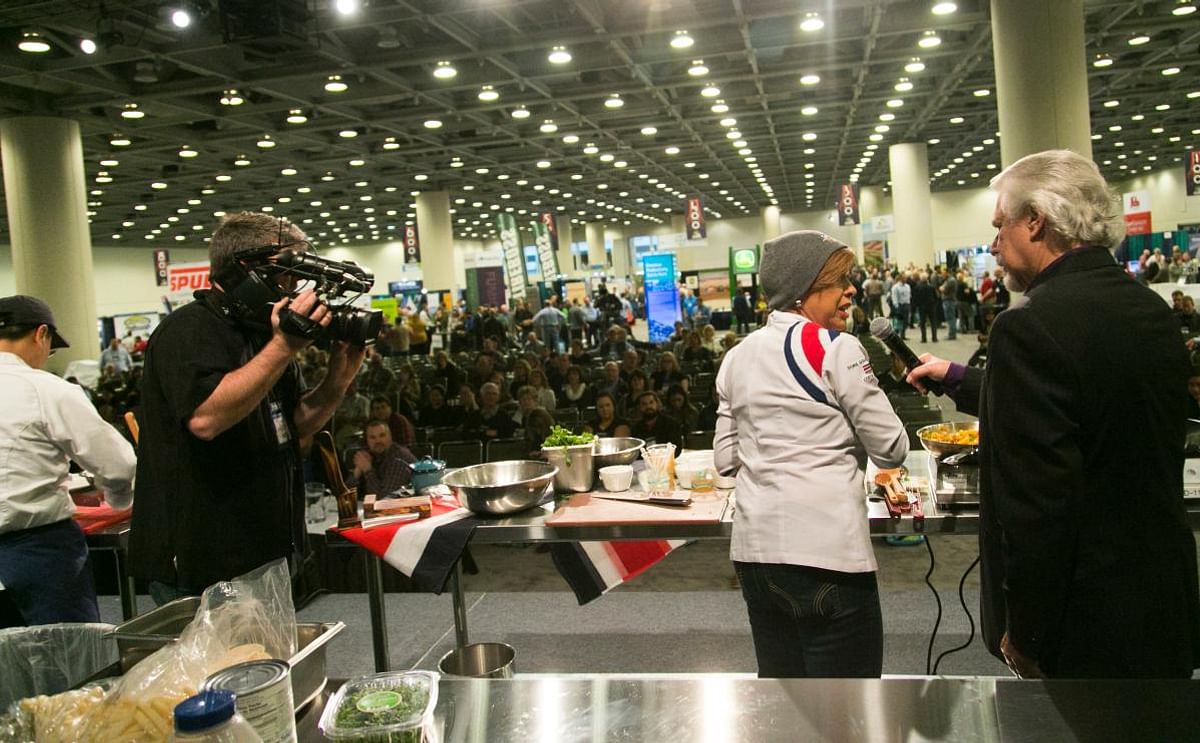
{"x": 743, "y": 311}
{"x": 1088, "y": 562}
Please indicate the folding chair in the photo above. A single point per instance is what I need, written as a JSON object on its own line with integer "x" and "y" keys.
{"x": 461, "y": 453}
{"x": 500, "y": 450}
{"x": 698, "y": 439}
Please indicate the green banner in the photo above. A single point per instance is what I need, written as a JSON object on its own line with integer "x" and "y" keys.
{"x": 514, "y": 259}
{"x": 545, "y": 235}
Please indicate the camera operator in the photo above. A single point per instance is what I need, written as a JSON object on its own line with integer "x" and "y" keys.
{"x": 220, "y": 486}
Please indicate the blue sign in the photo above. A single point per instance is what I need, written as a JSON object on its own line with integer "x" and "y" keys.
{"x": 662, "y": 295}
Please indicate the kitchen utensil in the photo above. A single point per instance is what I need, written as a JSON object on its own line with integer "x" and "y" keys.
{"x": 499, "y": 488}
{"x": 427, "y": 473}
{"x": 658, "y": 462}
{"x": 617, "y": 450}
{"x": 617, "y": 477}
{"x": 960, "y": 457}
{"x": 943, "y": 449}
{"x": 347, "y": 498}
{"x": 586, "y": 509}
{"x": 576, "y": 473}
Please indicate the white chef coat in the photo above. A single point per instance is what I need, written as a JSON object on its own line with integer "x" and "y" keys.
{"x": 800, "y": 412}
{"x": 46, "y": 421}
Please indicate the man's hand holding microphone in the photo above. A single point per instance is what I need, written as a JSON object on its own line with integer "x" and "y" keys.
{"x": 925, "y": 372}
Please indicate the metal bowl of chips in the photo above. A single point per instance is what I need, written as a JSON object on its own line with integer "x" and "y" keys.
{"x": 945, "y": 439}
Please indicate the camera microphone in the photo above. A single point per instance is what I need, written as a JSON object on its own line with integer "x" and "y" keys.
{"x": 882, "y": 329}
{"x": 348, "y": 276}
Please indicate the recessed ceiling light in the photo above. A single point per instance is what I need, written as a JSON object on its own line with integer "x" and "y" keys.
{"x": 570, "y": 139}
{"x": 119, "y": 140}
{"x": 1102, "y": 60}
{"x": 590, "y": 149}
{"x": 914, "y": 65}
{"x": 265, "y": 142}
{"x": 548, "y": 127}
{"x": 887, "y": 117}
{"x": 131, "y": 111}
{"x": 895, "y": 103}
{"x": 672, "y": 150}
{"x": 231, "y": 97}
{"x": 649, "y": 131}
{"x": 187, "y": 152}
{"x": 488, "y": 94}
{"x": 32, "y": 42}
{"x": 1162, "y": 107}
{"x": 929, "y": 40}
{"x": 728, "y": 121}
{"x": 810, "y": 79}
{"x": 710, "y": 91}
{"x": 956, "y": 119}
{"x": 1184, "y": 7}
{"x": 719, "y": 107}
{"x": 812, "y": 22}
{"x": 739, "y": 143}
{"x": 289, "y": 170}
{"x": 943, "y": 8}
{"x": 420, "y": 177}
{"x": 433, "y": 123}
{"x": 809, "y": 136}
{"x": 296, "y": 116}
{"x": 158, "y": 185}
{"x": 606, "y": 158}
{"x": 982, "y": 93}
{"x": 1168, "y": 71}
{"x": 614, "y": 101}
{"x": 1138, "y": 39}
{"x": 348, "y": 133}
{"x": 697, "y": 69}
{"x": 335, "y": 84}
{"x": 559, "y": 55}
{"x": 357, "y": 162}
{"x": 681, "y": 40}
{"x": 543, "y": 163}
{"x": 444, "y": 70}
{"x": 520, "y": 112}
{"x": 1112, "y": 104}
{"x": 87, "y": 46}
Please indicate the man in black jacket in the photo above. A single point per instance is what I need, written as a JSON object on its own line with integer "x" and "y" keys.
{"x": 1088, "y": 562}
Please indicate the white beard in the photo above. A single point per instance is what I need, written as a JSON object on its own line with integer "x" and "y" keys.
{"x": 1012, "y": 283}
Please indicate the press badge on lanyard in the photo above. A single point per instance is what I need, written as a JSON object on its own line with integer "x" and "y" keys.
{"x": 282, "y": 434}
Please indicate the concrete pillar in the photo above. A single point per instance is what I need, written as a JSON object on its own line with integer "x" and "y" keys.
{"x": 1041, "y": 77}
{"x": 566, "y": 261}
{"x": 770, "y": 223}
{"x": 621, "y": 262}
{"x": 597, "y": 255}
{"x": 679, "y": 223}
{"x": 913, "y": 239}
{"x": 437, "y": 241}
{"x": 45, "y": 189}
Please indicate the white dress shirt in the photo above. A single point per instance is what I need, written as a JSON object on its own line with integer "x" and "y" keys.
{"x": 800, "y": 412}
{"x": 46, "y": 422}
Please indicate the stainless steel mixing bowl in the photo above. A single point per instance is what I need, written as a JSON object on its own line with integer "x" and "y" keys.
{"x": 619, "y": 450}
{"x": 941, "y": 448}
{"x": 500, "y": 488}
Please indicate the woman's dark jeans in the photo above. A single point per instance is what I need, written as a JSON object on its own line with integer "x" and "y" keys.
{"x": 809, "y": 622}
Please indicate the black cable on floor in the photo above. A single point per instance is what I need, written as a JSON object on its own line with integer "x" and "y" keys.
{"x": 937, "y": 622}
{"x": 962, "y": 599}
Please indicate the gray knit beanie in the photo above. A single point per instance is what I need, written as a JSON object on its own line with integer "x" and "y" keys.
{"x": 791, "y": 263}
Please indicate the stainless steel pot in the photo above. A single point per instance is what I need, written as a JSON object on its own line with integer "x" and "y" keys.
{"x": 576, "y": 467}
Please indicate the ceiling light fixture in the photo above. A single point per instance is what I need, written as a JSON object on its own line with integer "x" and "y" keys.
{"x": 710, "y": 91}
{"x": 559, "y": 55}
{"x": 520, "y": 112}
{"x": 444, "y": 70}
{"x": 1184, "y": 7}
{"x": 32, "y": 42}
{"x": 590, "y": 149}
{"x": 1138, "y": 39}
{"x": 1102, "y": 60}
{"x": 241, "y": 161}
{"x": 548, "y": 127}
{"x": 698, "y": 69}
{"x": 1168, "y": 71}
{"x": 929, "y": 40}
{"x": 812, "y": 22}
{"x": 570, "y": 139}
{"x": 232, "y": 97}
{"x": 982, "y": 93}
{"x": 346, "y": 7}
{"x": 265, "y": 142}
{"x": 296, "y": 116}
{"x": 729, "y": 121}
{"x": 895, "y": 103}
{"x": 543, "y": 164}
{"x": 614, "y": 101}
{"x": 433, "y": 123}
{"x": 488, "y": 93}
{"x": 681, "y": 40}
{"x": 347, "y": 133}
{"x": 335, "y": 84}
{"x": 809, "y": 111}
{"x": 649, "y": 131}
{"x": 87, "y": 46}
{"x": 914, "y": 65}
{"x": 131, "y": 111}
{"x": 672, "y": 150}
{"x": 390, "y": 143}
{"x": 187, "y": 152}
{"x": 943, "y": 8}
{"x": 719, "y": 107}
{"x": 810, "y": 79}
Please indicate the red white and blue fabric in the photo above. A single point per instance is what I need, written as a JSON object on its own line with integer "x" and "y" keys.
{"x": 805, "y": 356}
{"x": 424, "y": 550}
{"x": 592, "y": 569}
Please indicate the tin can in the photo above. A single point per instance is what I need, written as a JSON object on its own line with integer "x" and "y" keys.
{"x": 263, "y": 690}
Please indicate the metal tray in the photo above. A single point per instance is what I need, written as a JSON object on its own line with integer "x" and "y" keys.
{"x": 141, "y": 636}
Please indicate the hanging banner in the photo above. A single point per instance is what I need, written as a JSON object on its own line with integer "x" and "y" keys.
{"x": 514, "y": 258}
{"x": 1192, "y": 177}
{"x": 662, "y": 296}
{"x": 185, "y": 278}
{"x": 695, "y": 218}
{"x": 412, "y": 244}
{"x": 485, "y": 287}
{"x": 545, "y": 236}
{"x": 847, "y": 206}
{"x": 1137, "y": 212}
{"x": 162, "y": 259}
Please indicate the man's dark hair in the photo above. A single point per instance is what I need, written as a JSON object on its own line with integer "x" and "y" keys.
{"x": 16, "y": 332}
{"x": 380, "y": 398}
{"x": 376, "y": 422}
{"x": 246, "y": 231}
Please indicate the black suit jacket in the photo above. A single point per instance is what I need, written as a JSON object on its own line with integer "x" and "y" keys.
{"x": 1087, "y": 557}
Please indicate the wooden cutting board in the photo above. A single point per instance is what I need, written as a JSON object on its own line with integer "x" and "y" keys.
{"x": 585, "y": 510}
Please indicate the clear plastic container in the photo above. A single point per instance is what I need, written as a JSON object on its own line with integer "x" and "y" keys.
{"x": 382, "y": 708}
{"x": 211, "y": 717}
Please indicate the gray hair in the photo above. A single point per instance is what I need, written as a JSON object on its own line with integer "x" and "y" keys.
{"x": 247, "y": 230}
{"x": 1068, "y": 190}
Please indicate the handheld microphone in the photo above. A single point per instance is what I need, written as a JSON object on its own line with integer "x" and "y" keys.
{"x": 882, "y": 330}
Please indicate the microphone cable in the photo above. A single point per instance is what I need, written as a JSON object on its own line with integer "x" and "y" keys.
{"x": 938, "y": 599}
{"x": 963, "y": 601}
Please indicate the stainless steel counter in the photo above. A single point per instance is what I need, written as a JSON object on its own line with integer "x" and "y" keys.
{"x": 728, "y": 709}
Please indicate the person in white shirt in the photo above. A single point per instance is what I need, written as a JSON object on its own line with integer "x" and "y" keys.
{"x": 45, "y": 423}
{"x": 799, "y": 414}
{"x": 117, "y": 356}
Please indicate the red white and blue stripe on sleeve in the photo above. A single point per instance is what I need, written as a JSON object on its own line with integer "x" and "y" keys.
{"x": 806, "y": 359}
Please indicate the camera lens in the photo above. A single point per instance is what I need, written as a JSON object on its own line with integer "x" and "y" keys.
{"x": 354, "y": 325}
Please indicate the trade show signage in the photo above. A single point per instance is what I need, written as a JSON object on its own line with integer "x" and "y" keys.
{"x": 1137, "y": 212}
{"x": 847, "y": 206}
{"x": 412, "y": 244}
{"x": 185, "y": 278}
{"x": 514, "y": 256}
{"x": 162, "y": 259}
{"x": 662, "y": 296}
{"x": 1192, "y": 177}
{"x": 545, "y": 236}
{"x": 695, "y": 219}
{"x": 485, "y": 286}
{"x": 743, "y": 260}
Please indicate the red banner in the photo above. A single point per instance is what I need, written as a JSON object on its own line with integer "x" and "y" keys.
{"x": 412, "y": 244}
{"x": 1192, "y": 179}
{"x": 847, "y": 206}
{"x": 695, "y": 218}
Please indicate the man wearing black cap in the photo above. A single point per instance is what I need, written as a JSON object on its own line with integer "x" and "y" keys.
{"x": 45, "y": 423}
